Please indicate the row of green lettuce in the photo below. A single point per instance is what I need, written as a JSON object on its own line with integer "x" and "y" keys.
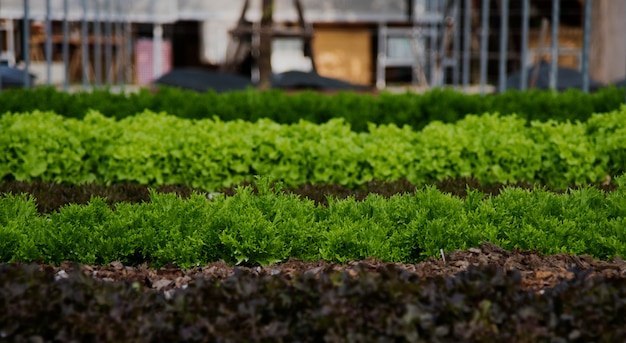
{"x": 272, "y": 226}
{"x": 415, "y": 110}
{"x": 156, "y": 149}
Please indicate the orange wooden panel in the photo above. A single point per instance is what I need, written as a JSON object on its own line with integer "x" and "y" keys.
{"x": 344, "y": 53}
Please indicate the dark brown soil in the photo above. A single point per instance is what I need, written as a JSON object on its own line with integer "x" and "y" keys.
{"x": 538, "y": 271}
{"x": 51, "y": 196}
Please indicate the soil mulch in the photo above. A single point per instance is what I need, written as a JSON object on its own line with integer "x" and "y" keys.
{"x": 51, "y": 196}
{"x": 538, "y": 271}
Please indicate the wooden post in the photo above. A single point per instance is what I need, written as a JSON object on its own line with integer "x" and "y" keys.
{"x": 307, "y": 29}
{"x": 265, "y": 46}
{"x": 608, "y": 46}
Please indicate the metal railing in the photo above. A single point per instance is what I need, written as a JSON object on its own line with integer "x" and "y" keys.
{"x": 477, "y": 53}
{"x": 441, "y": 39}
{"x": 88, "y": 37}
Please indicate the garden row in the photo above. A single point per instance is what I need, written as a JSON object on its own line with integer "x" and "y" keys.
{"x": 388, "y": 305}
{"x": 50, "y": 196}
{"x": 157, "y": 149}
{"x": 271, "y": 226}
{"x": 415, "y": 110}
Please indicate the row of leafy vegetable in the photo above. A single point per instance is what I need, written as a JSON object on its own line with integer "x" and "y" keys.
{"x": 415, "y": 110}
{"x": 156, "y": 149}
{"x": 272, "y": 226}
{"x": 385, "y": 305}
{"x": 50, "y": 196}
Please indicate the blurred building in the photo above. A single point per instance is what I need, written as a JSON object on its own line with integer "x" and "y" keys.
{"x": 361, "y": 41}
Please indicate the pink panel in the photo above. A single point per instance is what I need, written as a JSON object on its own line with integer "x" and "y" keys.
{"x": 144, "y": 60}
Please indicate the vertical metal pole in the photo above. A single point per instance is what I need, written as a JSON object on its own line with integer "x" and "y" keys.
{"x": 97, "y": 55}
{"x": 26, "y": 41}
{"x": 504, "y": 39}
{"x": 554, "y": 55}
{"x": 48, "y": 44}
{"x": 434, "y": 33}
{"x": 108, "y": 37}
{"x": 382, "y": 56}
{"x": 467, "y": 33}
{"x": 83, "y": 46}
{"x": 128, "y": 52}
{"x": 11, "y": 40}
{"x": 157, "y": 50}
{"x": 484, "y": 45}
{"x": 586, "y": 39}
{"x": 456, "y": 43}
{"x": 119, "y": 46}
{"x": 524, "y": 49}
{"x": 66, "y": 48}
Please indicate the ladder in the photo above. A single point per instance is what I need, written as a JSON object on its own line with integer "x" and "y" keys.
{"x": 245, "y": 39}
{"x": 424, "y": 46}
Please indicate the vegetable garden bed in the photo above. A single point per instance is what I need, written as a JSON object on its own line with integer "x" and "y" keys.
{"x": 478, "y": 295}
{"x": 385, "y": 233}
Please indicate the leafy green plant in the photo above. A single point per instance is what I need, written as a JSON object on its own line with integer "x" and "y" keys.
{"x": 157, "y": 149}
{"x": 172, "y": 230}
{"x": 414, "y": 110}
{"x": 607, "y": 134}
{"x": 271, "y": 226}
{"x": 251, "y": 236}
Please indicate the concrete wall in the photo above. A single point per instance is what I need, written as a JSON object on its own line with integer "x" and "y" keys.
{"x": 607, "y": 55}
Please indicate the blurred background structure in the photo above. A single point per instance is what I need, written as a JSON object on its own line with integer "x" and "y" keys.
{"x": 474, "y": 45}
